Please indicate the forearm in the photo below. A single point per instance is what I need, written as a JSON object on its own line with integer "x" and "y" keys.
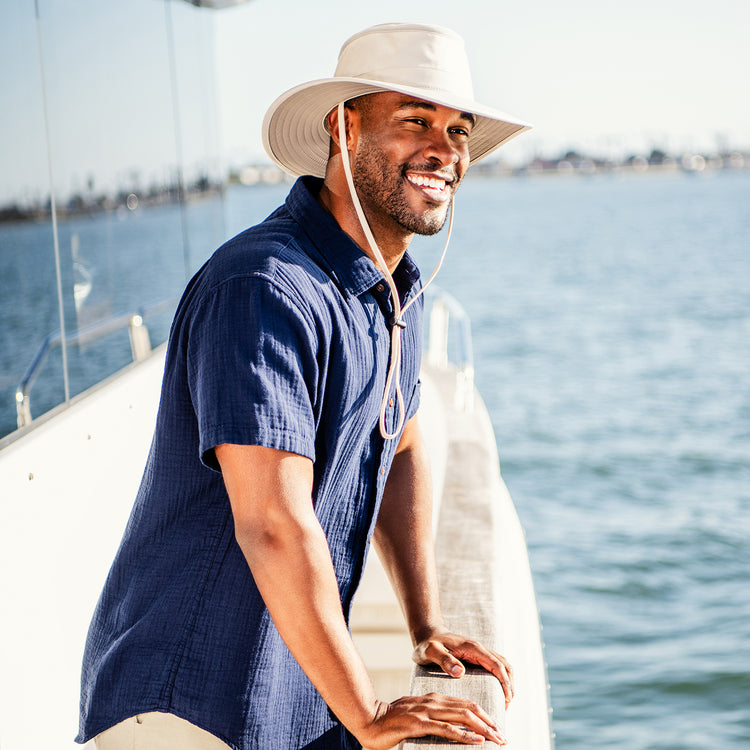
{"x": 292, "y": 568}
{"x": 404, "y": 539}
{"x": 288, "y": 555}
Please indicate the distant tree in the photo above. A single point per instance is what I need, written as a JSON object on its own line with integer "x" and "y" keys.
{"x": 572, "y": 156}
{"x": 657, "y": 156}
{"x": 202, "y": 184}
{"x": 11, "y": 213}
{"x": 76, "y": 203}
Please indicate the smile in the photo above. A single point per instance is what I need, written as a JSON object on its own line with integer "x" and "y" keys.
{"x": 434, "y": 188}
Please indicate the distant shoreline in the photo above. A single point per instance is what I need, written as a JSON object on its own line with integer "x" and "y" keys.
{"x": 129, "y": 199}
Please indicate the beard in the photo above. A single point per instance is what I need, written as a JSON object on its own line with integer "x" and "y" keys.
{"x": 382, "y": 186}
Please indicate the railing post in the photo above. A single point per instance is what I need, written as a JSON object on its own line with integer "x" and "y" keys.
{"x": 443, "y": 307}
{"x": 140, "y": 343}
{"x": 23, "y": 409}
{"x": 464, "y": 398}
{"x": 437, "y": 351}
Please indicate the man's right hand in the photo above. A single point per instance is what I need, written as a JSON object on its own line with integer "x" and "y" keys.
{"x": 433, "y": 714}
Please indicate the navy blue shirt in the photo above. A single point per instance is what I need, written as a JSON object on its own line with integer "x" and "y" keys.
{"x": 280, "y": 340}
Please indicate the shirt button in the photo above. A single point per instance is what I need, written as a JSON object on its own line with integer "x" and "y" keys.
{"x": 380, "y": 287}
{"x": 382, "y": 472}
{"x": 390, "y": 403}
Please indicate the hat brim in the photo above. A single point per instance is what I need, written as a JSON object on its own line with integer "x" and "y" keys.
{"x": 295, "y": 136}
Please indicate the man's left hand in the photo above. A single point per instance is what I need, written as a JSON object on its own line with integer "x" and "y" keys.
{"x": 448, "y": 650}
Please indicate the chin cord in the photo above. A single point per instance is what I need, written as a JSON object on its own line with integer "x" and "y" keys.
{"x": 398, "y": 323}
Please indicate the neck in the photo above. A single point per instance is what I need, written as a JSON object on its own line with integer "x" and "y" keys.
{"x": 392, "y": 239}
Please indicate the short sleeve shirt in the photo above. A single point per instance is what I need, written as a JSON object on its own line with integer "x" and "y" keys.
{"x": 281, "y": 340}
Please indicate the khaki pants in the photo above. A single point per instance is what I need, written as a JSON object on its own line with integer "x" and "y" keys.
{"x": 157, "y": 731}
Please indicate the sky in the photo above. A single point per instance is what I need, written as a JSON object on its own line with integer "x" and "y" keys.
{"x": 594, "y": 75}
{"x": 600, "y": 77}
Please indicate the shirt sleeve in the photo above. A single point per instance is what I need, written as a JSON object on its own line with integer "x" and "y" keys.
{"x": 252, "y": 369}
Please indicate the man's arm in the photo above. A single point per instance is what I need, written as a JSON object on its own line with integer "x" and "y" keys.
{"x": 271, "y": 497}
{"x": 404, "y": 541}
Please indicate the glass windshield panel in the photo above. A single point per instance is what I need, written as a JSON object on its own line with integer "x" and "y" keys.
{"x": 129, "y": 158}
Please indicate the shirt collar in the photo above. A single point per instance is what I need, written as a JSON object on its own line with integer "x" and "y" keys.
{"x": 354, "y": 272}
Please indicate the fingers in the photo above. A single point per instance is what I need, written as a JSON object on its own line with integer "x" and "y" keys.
{"x": 490, "y": 660}
{"x": 448, "y": 651}
{"x": 433, "y": 651}
{"x": 434, "y": 715}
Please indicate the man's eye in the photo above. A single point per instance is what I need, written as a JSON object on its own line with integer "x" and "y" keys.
{"x": 462, "y": 132}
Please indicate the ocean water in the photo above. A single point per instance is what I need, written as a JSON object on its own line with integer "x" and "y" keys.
{"x": 611, "y": 322}
{"x": 611, "y": 325}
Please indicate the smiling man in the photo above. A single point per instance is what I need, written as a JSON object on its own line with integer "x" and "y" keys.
{"x": 287, "y": 439}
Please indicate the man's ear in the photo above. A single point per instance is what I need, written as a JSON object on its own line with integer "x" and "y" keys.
{"x": 351, "y": 119}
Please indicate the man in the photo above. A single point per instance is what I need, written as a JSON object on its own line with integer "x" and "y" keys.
{"x": 287, "y": 438}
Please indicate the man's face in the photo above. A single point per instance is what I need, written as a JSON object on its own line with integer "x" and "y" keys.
{"x": 409, "y": 160}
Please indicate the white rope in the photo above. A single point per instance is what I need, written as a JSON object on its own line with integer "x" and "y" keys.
{"x": 398, "y": 323}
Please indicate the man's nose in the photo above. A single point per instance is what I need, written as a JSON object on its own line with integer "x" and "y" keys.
{"x": 441, "y": 146}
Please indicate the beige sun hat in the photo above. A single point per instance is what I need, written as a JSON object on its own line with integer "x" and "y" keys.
{"x": 427, "y": 62}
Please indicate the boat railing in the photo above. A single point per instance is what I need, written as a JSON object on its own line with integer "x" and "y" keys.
{"x": 140, "y": 347}
{"x": 445, "y": 314}
{"x": 485, "y": 582}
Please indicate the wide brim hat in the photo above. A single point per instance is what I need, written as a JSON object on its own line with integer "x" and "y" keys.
{"x": 426, "y": 62}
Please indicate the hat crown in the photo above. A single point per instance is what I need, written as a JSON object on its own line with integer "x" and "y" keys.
{"x": 414, "y": 55}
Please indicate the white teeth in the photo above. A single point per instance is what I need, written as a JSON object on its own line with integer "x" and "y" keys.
{"x": 431, "y": 182}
